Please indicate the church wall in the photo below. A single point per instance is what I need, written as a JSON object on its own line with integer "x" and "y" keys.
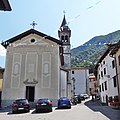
{"x": 32, "y": 65}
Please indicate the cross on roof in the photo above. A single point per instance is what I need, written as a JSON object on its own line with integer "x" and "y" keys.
{"x": 33, "y": 24}
{"x": 64, "y": 12}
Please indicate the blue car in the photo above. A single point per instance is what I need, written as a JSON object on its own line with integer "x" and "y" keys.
{"x": 64, "y": 102}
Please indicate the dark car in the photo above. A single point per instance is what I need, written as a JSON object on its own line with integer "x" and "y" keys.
{"x": 78, "y": 97}
{"x": 20, "y": 105}
{"x": 84, "y": 96}
{"x": 64, "y": 102}
{"x": 75, "y": 100}
{"x": 43, "y": 105}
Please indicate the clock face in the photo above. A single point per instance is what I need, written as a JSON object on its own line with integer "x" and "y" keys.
{"x": 67, "y": 49}
{"x": 66, "y": 59}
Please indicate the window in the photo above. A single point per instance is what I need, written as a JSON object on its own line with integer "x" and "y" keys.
{"x": 119, "y": 59}
{"x": 72, "y": 72}
{"x": 32, "y": 40}
{"x": 46, "y": 68}
{"x": 90, "y": 89}
{"x": 101, "y": 73}
{"x": 113, "y": 64}
{"x": 115, "y": 81}
{"x": 110, "y": 99}
{"x": 103, "y": 62}
{"x": 62, "y": 37}
{"x": 105, "y": 85}
{"x": 16, "y": 69}
{"x": 102, "y": 87}
{"x": 99, "y": 76}
{"x": 31, "y": 68}
{"x": 103, "y": 98}
{"x": 104, "y": 71}
{"x": 116, "y": 99}
{"x": 66, "y": 38}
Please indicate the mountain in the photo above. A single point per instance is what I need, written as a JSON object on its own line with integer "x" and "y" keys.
{"x": 89, "y": 53}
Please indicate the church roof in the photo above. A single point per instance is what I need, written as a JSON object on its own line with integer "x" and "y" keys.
{"x": 64, "y": 23}
{"x": 31, "y": 31}
{"x": 4, "y": 5}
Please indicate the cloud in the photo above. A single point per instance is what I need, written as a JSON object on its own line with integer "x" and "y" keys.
{"x": 2, "y": 51}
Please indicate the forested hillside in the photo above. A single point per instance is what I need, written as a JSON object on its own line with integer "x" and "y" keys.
{"x": 89, "y": 53}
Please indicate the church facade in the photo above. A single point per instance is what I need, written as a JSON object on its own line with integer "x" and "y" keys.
{"x": 35, "y": 67}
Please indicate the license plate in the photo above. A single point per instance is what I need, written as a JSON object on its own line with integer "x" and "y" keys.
{"x": 43, "y": 104}
{"x": 20, "y": 108}
{"x": 64, "y": 104}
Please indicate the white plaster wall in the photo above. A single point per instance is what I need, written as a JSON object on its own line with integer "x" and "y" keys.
{"x": 118, "y": 70}
{"x": 80, "y": 75}
{"x": 37, "y": 57}
{"x": 110, "y": 73}
{"x": 63, "y": 84}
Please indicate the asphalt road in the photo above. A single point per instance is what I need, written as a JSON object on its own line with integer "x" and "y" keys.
{"x": 77, "y": 112}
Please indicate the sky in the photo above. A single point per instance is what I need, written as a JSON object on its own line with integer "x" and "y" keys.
{"x": 85, "y": 18}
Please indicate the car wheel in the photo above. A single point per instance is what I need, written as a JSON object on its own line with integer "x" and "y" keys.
{"x": 58, "y": 107}
{"x": 69, "y": 107}
{"x": 36, "y": 111}
{"x": 28, "y": 110}
{"x": 51, "y": 110}
{"x": 14, "y": 112}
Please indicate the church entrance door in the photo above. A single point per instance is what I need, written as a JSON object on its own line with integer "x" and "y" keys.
{"x": 30, "y": 92}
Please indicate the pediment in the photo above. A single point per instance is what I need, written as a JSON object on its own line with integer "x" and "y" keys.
{"x": 31, "y": 40}
{"x": 25, "y": 38}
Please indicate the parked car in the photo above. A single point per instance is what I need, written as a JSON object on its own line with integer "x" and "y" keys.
{"x": 43, "y": 105}
{"x": 85, "y": 96}
{"x": 82, "y": 97}
{"x": 20, "y": 105}
{"x": 78, "y": 98}
{"x": 64, "y": 102}
{"x": 75, "y": 100}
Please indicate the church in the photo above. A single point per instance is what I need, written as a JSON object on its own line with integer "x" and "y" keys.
{"x": 37, "y": 66}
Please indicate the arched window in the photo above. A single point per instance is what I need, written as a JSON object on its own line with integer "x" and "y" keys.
{"x": 66, "y": 38}
{"x": 62, "y": 37}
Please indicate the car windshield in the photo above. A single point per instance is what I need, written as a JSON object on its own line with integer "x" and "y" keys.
{"x": 43, "y": 100}
{"x": 21, "y": 101}
{"x": 63, "y": 98}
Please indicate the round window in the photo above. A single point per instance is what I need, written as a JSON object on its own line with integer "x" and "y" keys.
{"x": 32, "y": 40}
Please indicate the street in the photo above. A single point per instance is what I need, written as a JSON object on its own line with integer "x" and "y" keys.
{"x": 84, "y": 111}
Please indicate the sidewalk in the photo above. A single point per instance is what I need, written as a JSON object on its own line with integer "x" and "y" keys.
{"x": 96, "y": 106}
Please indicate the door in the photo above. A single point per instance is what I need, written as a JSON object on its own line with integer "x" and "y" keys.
{"x": 30, "y": 91}
{"x": 106, "y": 99}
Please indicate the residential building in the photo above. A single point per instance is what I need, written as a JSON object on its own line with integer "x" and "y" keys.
{"x": 106, "y": 76}
{"x": 115, "y": 53}
{"x": 93, "y": 85}
{"x": 80, "y": 80}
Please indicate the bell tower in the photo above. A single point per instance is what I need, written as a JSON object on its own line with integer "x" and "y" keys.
{"x": 64, "y": 34}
